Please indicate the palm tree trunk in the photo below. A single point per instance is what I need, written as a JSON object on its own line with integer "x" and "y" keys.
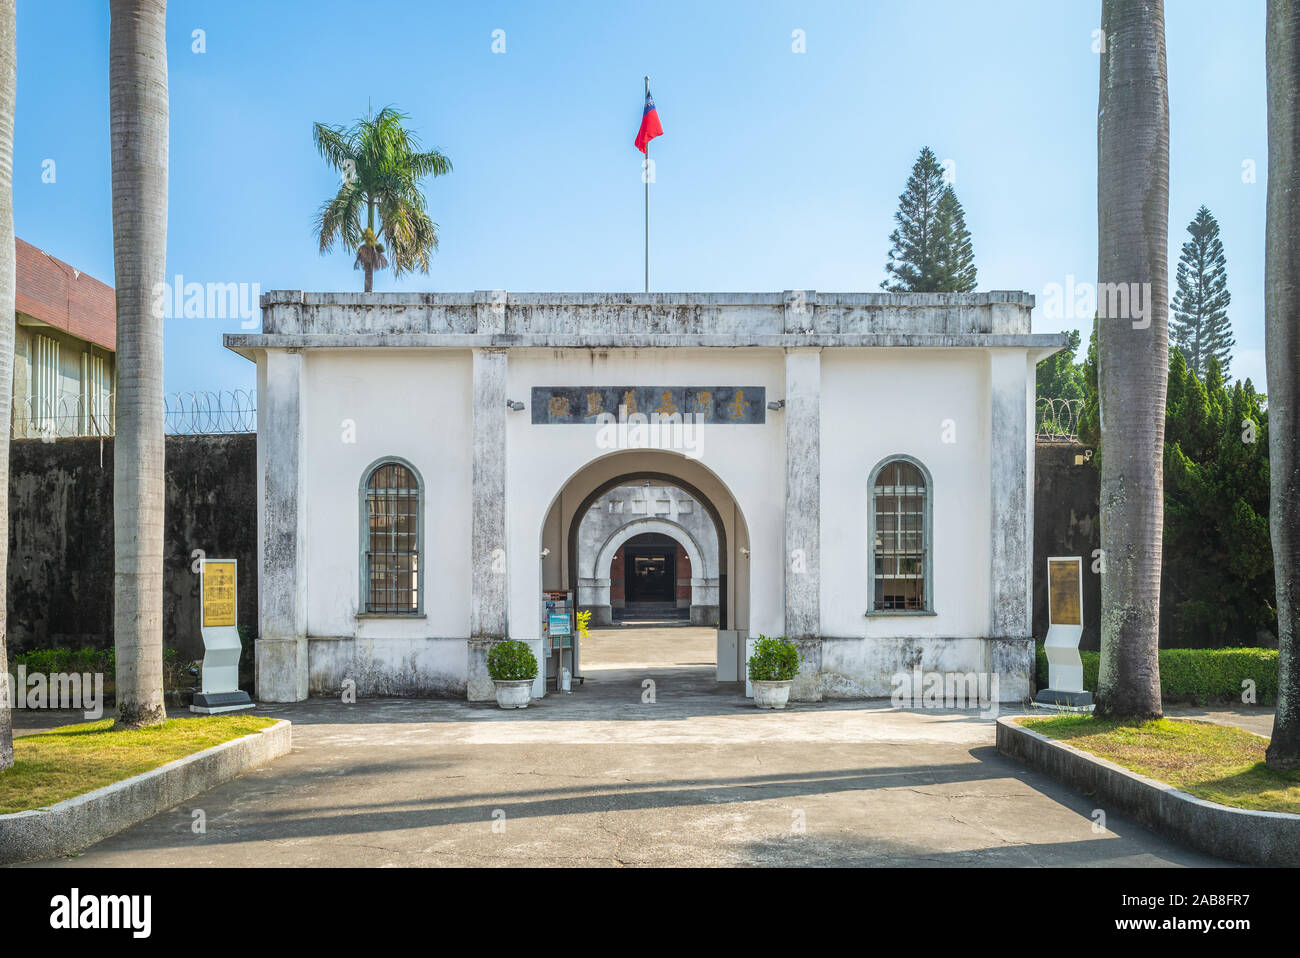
{"x": 8, "y": 85}
{"x": 139, "y": 127}
{"x": 1133, "y": 348}
{"x": 1282, "y": 349}
{"x": 370, "y": 232}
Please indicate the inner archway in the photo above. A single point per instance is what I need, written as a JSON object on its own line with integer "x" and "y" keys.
{"x": 648, "y": 551}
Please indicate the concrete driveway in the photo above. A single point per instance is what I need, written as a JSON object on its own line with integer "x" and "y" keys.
{"x": 697, "y": 776}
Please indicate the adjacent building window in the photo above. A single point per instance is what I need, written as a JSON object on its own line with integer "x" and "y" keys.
{"x": 900, "y": 536}
{"x": 392, "y": 500}
{"x": 43, "y": 386}
{"x": 96, "y": 396}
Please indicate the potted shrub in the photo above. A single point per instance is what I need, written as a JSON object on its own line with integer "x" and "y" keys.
{"x": 772, "y": 669}
{"x": 512, "y": 667}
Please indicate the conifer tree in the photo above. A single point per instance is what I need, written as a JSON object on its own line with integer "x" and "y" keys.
{"x": 955, "y": 254}
{"x": 1200, "y": 327}
{"x": 930, "y": 249}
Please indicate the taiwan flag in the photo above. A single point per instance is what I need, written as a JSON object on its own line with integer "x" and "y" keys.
{"x": 650, "y": 127}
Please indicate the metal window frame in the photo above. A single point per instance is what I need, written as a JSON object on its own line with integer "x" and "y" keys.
{"x": 43, "y": 381}
{"x": 363, "y": 539}
{"x": 927, "y": 538}
{"x": 94, "y": 404}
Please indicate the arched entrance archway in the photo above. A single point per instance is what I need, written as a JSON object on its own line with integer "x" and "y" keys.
{"x": 561, "y": 565}
{"x": 725, "y": 605}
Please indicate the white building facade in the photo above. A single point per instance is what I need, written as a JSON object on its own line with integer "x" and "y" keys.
{"x": 425, "y": 462}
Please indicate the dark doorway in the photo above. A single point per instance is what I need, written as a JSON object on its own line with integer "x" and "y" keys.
{"x": 650, "y": 569}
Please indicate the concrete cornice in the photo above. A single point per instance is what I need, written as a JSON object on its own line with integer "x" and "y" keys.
{"x": 245, "y": 343}
{"x": 293, "y": 319}
{"x": 297, "y": 297}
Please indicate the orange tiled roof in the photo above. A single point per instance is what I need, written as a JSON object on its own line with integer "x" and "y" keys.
{"x": 50, "y": 290}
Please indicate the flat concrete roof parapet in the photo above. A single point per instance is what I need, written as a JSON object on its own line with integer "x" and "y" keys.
{"x": 300, "y": 297}
{"x": 298, "y": 319}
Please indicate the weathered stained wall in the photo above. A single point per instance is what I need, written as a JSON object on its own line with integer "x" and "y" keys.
{"x": 293, "y": 313}
{"x": 61, "y": 537}
{"x": 1066, "y": 499}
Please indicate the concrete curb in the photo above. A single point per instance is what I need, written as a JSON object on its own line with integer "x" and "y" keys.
{"x": 1238, "y": 834}
{"x": 82, "y": 821}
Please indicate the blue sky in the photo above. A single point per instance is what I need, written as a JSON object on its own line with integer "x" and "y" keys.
{"x": 777, "y": 170}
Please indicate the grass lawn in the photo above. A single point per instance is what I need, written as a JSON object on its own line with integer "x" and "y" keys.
{"x": 73, "y": 759}
{"x": 1218, "y": 763}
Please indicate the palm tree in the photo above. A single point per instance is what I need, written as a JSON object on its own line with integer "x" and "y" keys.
{"x": 381, "y": 166}
{"x": 8, "y": 84}
{"x": 1133, "y": 348}
{"x": 1282, "y": 342}
{"x": 137, "y": 77}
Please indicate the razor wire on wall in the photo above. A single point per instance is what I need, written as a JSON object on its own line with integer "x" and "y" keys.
{"x": 1058, "y": 420}
{"x": 195, "y": 413}
{"x": 211, "y": 413}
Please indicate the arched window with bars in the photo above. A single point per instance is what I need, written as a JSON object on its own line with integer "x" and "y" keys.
{"x": 392, "y": 537}
{"x": 899, "y": 534}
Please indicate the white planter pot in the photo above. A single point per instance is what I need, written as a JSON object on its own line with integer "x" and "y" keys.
{"x": 771, "y": 695}
{"x": 513, "y": 693}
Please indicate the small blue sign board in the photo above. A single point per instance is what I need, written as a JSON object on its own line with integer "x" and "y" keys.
{"x": 559, "y": 623}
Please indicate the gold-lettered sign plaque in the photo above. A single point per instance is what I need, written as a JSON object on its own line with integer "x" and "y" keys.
{"x": 218, "y": 623}
{"x": 1065, "y": 591}
{"x": 219, "y": 598}
{"x": 1064, "y": 630}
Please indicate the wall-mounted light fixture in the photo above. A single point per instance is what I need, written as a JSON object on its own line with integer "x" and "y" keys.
{"x": 545, "y": 553}
{"x": 514, "y": 404}
{"x": 776, "y": 404}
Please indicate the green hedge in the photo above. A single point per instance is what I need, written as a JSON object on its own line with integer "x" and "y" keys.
{"x": 177, "y": 672}
{"x": 53, "y": 661}
{"x": 1202, "y": 675}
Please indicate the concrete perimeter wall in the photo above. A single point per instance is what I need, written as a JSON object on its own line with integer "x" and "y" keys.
{"x": 1066, "y": 523}
{"x": 61, "y": 537}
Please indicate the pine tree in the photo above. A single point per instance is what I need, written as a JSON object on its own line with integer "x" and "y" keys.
{"x": 1217, "y": 577}
{"x": 955, "y": 255}
{"x": 930, "y": 247}
{"x": 1200, "y": 327}
{"x": 911, "y": 263}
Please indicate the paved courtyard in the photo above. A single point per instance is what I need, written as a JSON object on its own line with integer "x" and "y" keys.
{"x": 599, "y": 777}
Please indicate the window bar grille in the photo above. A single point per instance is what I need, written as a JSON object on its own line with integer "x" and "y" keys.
{"x": 900, "y": 539}
{"x": 392, "y": 562}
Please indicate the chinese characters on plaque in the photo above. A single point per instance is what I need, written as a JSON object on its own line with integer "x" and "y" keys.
{"x": 721, "y": 405}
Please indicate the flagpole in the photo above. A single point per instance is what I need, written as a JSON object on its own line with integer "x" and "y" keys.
{"x": 645, "y": 175}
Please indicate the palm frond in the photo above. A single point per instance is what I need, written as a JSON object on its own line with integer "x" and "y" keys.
{"x": 340, "y": 218}
{"x": 431, "y": 163}
{"x": 411, "y": 236}
{"x": 333, "y": 143}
